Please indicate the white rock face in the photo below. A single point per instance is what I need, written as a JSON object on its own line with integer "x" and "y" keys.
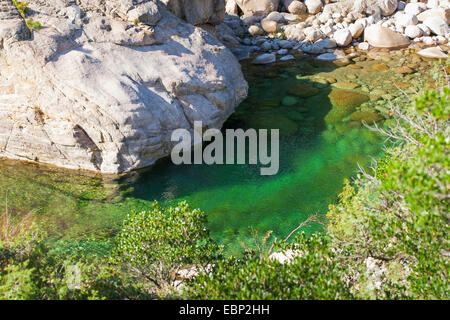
{"x": 314, "y": 6}
{"x": 107, "y": 97}
{"x": 343, "y": 37}
{"x": 381, "y": 37}
{"x": 406, "y": 19}
{"x": 437, "y": 25}
{"x": 413, "y": 32}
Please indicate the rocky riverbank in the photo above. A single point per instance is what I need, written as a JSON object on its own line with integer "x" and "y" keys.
{"x": 281, "y": 30}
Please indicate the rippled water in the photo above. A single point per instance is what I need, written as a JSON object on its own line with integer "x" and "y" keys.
{"x": 315, "y": 158}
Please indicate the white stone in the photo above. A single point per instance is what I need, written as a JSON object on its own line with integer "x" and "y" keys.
{"x": 425, "y": 30}
{"x": 415, "y": 8}
{"x": 364, "y": 46}
{"x": 437, "y": 25}
{"x": 356, "y": 29}
{"x": 413, "y": 32}
{"x": 343, "y": 37}
{"x": 443, "y": 13}
{"x": 314, "y": 6}
{"x": 406, "y": 19}
{"x": 434, "y": 52}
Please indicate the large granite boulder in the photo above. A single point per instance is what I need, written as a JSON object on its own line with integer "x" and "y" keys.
{"x": 100, "y": 93}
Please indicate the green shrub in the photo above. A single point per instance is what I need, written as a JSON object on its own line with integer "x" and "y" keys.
{"x": 312, "y": 274}
{"x": 392, "y": 228}
{"x": 154, "y": 245}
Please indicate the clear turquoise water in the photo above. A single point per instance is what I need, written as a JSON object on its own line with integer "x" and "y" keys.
{"x": 314, "y": 161}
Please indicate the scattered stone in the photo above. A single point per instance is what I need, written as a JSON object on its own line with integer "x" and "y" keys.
{"x": 380, "y": 67}
{"x": 255, "y": 30}
{"x": 367, "y": 117}
{"x": 287, "y": 58}
{"x": 265, "y": 58}
{"x": 303, "y": 91}
{"x": 289, "y": 101}
{"x": 381, "y": 37}
{"x": 440, "y": 12}
{"x": 295, "y": 7}
{"x": 404, "y": 70}
{"x": 270, "y": 26}
{"x": 433, "y": 53}
{"x": 437, "y": 25}
{"x": 313, "y": 6}
{"x": 346, "y": 85}
{"x": 364, "y": 46}
{"x": 356, "y": 29}
{"x": 343, "y": 37}
{"x": 405, "y": 19}
{"x": 413, "y": 32}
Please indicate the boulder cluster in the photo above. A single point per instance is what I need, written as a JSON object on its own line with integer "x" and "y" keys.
{"x": 276, "y": 27}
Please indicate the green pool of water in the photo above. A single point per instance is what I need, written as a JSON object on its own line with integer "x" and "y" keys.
{"x": 315, "y": 158}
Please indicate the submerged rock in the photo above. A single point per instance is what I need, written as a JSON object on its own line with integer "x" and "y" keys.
{"x": 347, "y": 100}
{"x": 367, "y": 117}
{"x": 303, "y": 91}
{"x": 275, "y": 121}
{"x": 265, "y": 58}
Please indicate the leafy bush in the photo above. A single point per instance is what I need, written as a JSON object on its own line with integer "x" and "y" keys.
{"x": 312, "y": 274}
{"x": 392, "y": 228}
{"x": 154, "y": 245}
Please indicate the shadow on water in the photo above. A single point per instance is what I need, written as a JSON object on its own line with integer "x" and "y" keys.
{"x": 315, "y": 157}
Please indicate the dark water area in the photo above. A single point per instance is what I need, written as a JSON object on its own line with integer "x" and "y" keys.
{"x": 317, "y": 152}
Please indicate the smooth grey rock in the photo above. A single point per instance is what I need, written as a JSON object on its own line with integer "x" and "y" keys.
{"x": 265, "y": 58}
{"x": 287, "y": 58}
